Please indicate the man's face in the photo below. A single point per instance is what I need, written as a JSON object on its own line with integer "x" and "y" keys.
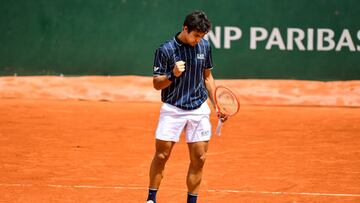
{"x": 193, "y": 37}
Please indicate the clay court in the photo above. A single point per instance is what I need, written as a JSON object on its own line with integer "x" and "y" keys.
{"x": 87, "y": 149}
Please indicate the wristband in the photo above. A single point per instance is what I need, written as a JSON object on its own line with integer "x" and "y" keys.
{"x": 170, "y": 76}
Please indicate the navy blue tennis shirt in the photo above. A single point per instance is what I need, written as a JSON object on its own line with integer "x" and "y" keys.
{"x": 188, "y": 91}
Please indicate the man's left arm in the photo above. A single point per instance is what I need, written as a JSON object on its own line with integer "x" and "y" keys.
{"x": 210, "y": 86}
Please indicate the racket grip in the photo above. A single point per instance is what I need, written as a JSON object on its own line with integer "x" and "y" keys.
{"x": 218, "y": 128}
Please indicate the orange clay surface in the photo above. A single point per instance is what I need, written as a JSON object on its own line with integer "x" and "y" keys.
{"x": 86, "y": 150}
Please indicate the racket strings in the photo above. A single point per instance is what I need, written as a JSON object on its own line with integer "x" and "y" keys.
{"x": 226, "y": 102}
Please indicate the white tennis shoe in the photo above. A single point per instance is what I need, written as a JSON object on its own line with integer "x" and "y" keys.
{"x": 149, "y": 201}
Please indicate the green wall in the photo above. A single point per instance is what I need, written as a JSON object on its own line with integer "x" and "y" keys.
{"x": 118, "y": 37}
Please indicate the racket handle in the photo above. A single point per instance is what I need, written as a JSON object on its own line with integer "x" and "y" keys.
{"x": 218, "y": 128}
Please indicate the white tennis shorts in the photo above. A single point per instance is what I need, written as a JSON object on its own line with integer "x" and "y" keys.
{"x": 174, "y": 120}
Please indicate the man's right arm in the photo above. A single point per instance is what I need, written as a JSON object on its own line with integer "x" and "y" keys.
{"x": 161, "y": 82}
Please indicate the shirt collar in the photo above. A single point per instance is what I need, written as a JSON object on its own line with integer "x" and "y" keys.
{"x": 177, "y": 40}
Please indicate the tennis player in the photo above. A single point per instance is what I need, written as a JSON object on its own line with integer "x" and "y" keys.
{"x": 182, "y": 71}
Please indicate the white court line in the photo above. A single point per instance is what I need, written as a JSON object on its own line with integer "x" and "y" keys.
{"x": 209, "y": 190}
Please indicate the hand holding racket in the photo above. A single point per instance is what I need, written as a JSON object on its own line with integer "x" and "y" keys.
{"x": 226, "y": 105}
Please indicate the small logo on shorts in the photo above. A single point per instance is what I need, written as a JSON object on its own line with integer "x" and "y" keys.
{"x": 156, "y": 68}
{"x": 205, "y": 133}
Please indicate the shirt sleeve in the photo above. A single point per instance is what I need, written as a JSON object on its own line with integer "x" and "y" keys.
{"x": 160, "y": 62}
{"x": 208, "y": 60}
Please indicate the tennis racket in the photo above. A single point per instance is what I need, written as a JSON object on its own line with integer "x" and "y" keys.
{"x": 226, "y": 103}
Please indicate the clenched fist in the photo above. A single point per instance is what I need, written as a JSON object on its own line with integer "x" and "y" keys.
{"x": 179, "y": 68}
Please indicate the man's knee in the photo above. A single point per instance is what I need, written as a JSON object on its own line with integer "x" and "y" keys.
{"x": 198, "y": 161}
{"x": 162, "y": 157}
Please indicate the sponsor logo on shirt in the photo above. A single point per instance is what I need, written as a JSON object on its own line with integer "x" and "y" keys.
{"x": 200, "y": 56}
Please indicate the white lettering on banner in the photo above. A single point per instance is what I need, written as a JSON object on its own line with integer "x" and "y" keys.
{"x": 329, "y": 38}
{"x": 228, "y": 37}
{"x": 358, "y": 46}
{"x": 310, "y": 39}
{"x": 254, "y": 38}
{"x": 297, "y": 39}
{"x": 215, "y": 38}
{"x": 345, "y": 40}
{"x": 321, "y": 39}
{"x": 275, "y": 39}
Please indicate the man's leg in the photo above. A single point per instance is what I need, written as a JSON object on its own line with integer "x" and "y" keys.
{"x": 162, "y": 154}
{"x": 197, "y": 151}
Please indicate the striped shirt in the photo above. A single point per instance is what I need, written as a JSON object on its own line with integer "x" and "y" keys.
{"x": 188, "y": 91}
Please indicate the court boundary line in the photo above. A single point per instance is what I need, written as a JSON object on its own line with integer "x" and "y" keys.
{"x": 208, "y": 190}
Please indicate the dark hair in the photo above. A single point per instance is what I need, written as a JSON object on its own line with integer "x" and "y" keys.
{"x": 197, "y": 21}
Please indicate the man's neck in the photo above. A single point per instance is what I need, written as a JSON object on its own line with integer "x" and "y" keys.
{"x": 181, "y": 37}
